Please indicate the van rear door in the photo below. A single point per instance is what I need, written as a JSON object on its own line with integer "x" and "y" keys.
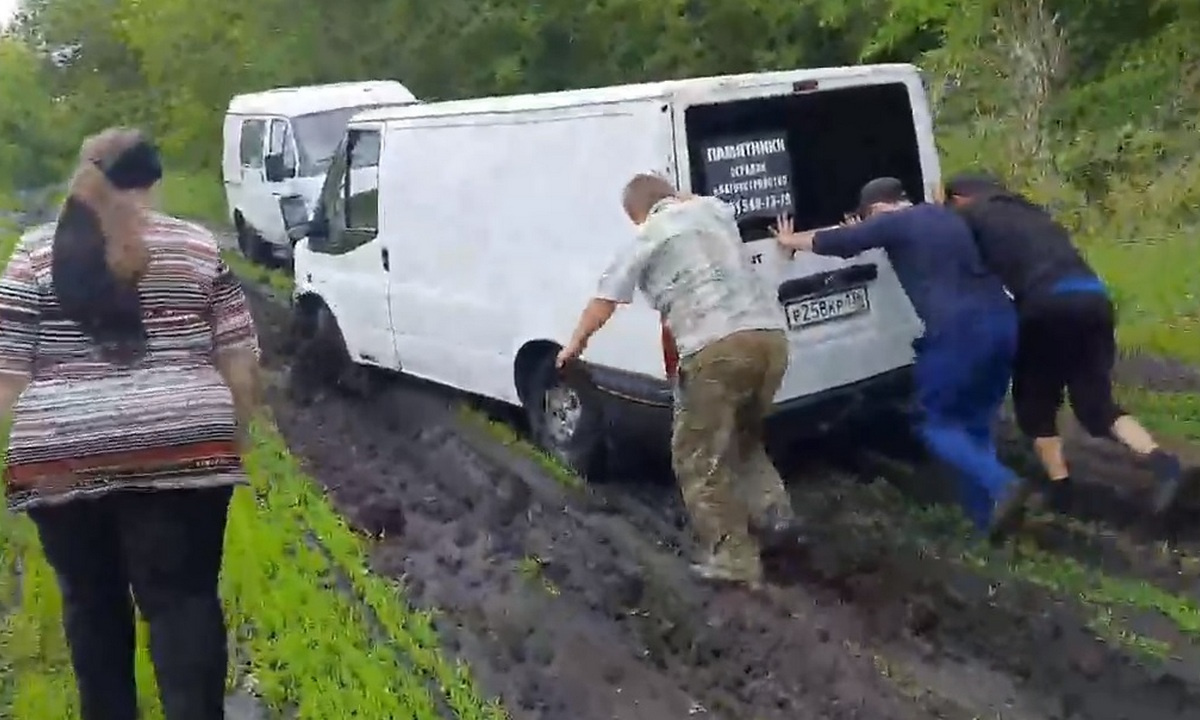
{"x": 789, "y": 142}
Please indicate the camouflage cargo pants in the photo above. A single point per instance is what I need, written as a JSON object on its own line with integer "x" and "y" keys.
{"x": 724, "y": 392}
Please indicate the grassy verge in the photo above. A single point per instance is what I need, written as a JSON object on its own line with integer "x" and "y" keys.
{"x": 1158, "y": 299}
{"x": 277, "y": 280}
{"x": 197, "y": 195}
{"x": 320, "y": 636}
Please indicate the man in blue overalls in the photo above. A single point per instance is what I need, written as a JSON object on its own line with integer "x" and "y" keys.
{"x": 964, "y": 361}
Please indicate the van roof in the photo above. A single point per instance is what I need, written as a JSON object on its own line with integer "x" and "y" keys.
{"x": 625, "y": 93}
{"x": 302, "y": 100}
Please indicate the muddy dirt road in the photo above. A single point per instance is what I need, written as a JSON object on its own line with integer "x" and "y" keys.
{"x": 577, "y": 604}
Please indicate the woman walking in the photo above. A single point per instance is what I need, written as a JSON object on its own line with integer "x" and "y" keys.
{"x": 129, "y": 363}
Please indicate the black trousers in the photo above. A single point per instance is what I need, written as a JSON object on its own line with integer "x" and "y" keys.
{"x": 166, "y": 546}
{"x": 1066, "y": 345}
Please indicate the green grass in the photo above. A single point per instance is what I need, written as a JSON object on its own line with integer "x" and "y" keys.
{"x": 1175, "y": 415}
{"x": 318, "y": 634}
{"x": 277, "y": 280}
{"x": 504, "y": 434}
{"x": 1157, "y": 294}
{"x": 198, "y": 196}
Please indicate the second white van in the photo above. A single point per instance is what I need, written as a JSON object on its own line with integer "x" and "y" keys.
{"x": 458, "y": 241}
{"x": 278, "y": 144}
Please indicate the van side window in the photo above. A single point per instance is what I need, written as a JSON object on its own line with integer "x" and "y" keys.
{"x": 251, "y": 146}
{"x": 329, "y": 205}
{"x": 281, "y": 144}
{"x": 362, "y": 193}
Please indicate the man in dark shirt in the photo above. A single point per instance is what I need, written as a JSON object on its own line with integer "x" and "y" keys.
{"x": 964, "y": 360}
{"x": 1066, "y": 333}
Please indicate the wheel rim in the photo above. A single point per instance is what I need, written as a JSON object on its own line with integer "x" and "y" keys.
{"x": 563, "y": 409}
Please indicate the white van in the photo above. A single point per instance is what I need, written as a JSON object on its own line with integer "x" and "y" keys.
{"x": 277, "y": 147}
{"x": 458, "y": 241}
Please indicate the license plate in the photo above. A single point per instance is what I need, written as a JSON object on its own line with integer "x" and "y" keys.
{"x": 823, "y": 308}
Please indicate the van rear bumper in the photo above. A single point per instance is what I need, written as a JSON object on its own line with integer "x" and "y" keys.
{"x": 638, "y": 408}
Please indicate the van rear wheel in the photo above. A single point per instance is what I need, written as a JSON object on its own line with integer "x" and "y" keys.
{"x": 566, "y": 419}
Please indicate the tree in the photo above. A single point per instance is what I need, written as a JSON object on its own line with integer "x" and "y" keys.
{"x": 32, "y": 147}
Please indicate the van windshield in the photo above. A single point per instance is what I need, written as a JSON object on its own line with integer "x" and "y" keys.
{"x": 318, "y": 135}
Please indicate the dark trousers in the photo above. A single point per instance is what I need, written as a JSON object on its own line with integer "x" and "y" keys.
{"x": 1067, "y": 346}
{"x": 166, "y": 546}
{"x": 962, "y": 375}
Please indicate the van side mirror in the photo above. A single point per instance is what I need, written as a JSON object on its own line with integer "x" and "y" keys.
{"x": 274, "y": 168}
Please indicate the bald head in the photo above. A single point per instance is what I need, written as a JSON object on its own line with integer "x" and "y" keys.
{"x": 642, "y": 192}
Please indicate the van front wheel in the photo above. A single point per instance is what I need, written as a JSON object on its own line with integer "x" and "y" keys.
{"x": 566, "y": 419}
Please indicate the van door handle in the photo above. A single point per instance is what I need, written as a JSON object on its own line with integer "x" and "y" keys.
{"x": 387, "y": 261}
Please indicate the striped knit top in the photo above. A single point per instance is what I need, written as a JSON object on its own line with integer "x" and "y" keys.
{"x": 84, "y": 427}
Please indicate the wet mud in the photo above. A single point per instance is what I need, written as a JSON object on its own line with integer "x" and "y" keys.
{"x": 577, "y": 603}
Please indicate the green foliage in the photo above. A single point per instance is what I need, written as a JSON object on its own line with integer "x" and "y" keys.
{"x": 31, "y": 154}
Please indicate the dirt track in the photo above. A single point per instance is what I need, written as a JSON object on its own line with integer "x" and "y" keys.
{"x": 577, "y": 604}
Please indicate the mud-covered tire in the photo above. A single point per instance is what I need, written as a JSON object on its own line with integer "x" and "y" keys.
{"x": 566, "y": 419}
{"x": 252, "y": 246}
{"x": 321, "y": 360}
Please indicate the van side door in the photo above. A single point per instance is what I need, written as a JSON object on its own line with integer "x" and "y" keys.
{"x": 350, "y": 263}
{"x": 279, "y": 171}
{"x": 253, "y": 193}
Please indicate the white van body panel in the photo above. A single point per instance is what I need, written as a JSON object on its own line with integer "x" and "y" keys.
{"x": 247, "y": 191}
{"x": 465, "y": 296}
{"x": 500, "y": 214}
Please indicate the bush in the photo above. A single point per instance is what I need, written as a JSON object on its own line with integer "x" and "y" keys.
{"x": 198, "y": 196}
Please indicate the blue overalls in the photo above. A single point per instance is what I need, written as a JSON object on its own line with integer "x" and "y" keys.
{"x": 962, "y": 376}
{"x": 964, "y": 361}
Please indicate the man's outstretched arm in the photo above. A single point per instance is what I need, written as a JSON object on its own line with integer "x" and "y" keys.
{"x": 616, "y": 287}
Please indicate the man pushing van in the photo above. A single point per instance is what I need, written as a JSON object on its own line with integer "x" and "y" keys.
{"x": 733, "y": 350}
{"x": 964, "y": 360}
{"x": 1067, "y": 334}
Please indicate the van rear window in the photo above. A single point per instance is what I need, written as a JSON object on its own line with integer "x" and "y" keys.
{"x": 806, "y": 153}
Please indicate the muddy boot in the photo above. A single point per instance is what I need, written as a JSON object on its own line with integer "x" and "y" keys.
{"x": 777, "y": 529}
{"x": 1169, "y": 473}
{"x": 1059, "y": 495}
{"x": 1009, "y": 510}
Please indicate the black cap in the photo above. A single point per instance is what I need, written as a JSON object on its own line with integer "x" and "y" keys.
{"x": 973, "y": 184}
{"x": 880, "y": 190}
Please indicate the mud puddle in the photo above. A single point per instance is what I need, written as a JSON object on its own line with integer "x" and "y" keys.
{"x": 578, "y": 604}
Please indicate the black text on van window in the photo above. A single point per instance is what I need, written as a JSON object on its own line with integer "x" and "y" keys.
{"x": 362, "y": 177}
{"x": 251, "y": 146}
{"x": 281, "y": 144}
